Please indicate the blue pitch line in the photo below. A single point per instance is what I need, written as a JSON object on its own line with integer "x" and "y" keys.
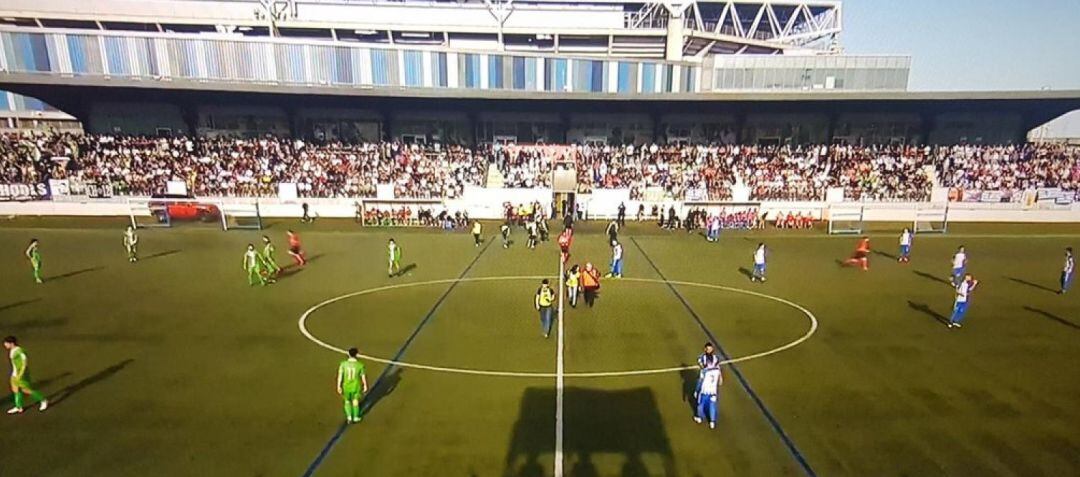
{"x": 790, "y": 444}
{"x": 363, "y": 402}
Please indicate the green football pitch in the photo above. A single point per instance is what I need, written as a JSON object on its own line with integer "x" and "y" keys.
{"x": 175, "y": 366}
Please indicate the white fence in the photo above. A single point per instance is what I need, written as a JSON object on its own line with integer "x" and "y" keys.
{"x": 488, "y": 204}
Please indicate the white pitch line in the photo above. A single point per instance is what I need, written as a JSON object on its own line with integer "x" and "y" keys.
{"x": 559, "y": 381}
{"x": 302, "y": 324}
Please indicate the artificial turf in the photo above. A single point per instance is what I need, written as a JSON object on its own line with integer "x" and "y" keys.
{"x": 175, "y": 366}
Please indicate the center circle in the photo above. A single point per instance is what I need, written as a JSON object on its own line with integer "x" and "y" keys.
{"x": 302, "y": 324}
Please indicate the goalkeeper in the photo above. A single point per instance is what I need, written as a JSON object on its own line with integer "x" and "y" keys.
{"x": 253, "y": 265}
{"x": 272, "y": 267}
{"x": 131, "y": 242}
{"x": 352, "y": 385}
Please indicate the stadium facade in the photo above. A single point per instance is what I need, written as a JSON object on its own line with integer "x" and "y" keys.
{"x": 477, "y": 72}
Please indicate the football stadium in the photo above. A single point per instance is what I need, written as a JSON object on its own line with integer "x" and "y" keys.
{"x": 523, "y": 238}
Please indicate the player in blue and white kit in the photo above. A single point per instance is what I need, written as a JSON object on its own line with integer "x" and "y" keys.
{"x": 711, "y": 379}
{"x": 905, "y": 247}
{"x": 616, "y": 259}
{"x": 759, "y": 264}
{"x": 1067, "y": 272}
{"x": 963, "y": 296}
{"x": 707, "y": 360}
{"x": 959, "y": 266}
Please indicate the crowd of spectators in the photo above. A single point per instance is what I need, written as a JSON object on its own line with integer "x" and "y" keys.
{"x": 134, "y": 165}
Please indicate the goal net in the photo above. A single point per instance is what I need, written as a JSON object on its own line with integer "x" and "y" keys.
{"x": 402, "y": 212}
{"x": 931, "y": 219}
{"x": 191, "y": 211}
{"x": 845, "y": 219}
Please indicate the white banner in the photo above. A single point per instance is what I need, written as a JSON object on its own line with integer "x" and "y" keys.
{"x": 59, "y": 187}
{"x": 384, "y": 191}
{"x": 176, "y": 188}
{"x": 287, "y": 191}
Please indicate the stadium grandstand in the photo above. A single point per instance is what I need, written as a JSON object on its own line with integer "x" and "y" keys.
{"x": 469, "y": 167}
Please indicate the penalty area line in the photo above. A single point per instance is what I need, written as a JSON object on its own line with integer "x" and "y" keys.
{"x": 365, "y": 403}
{"x": 745, "y": 383}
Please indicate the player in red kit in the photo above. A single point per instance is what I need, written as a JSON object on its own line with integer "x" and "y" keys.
{"x": 566, "y": 238}
{"x": 295, "y": 251}
{"x": 862, "y": 254}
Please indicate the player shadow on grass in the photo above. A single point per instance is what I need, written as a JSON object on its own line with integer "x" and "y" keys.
{"x": 689, "y": 380}
{"x": 746, "y": 272}
{"x": 18, "y": 304}
{"x": 19, "y": 327}
{"x": 886, "y": 255}
{"x": 1053, "y": 317}
{"x": 923, "y": 307}
{"x": 39, "y": 384}
{"x": 931, "y": 277}
{"x": 1032, "y": 284}
{"x": 63, "y": 394}
{"x": 74, "y": 273}
{"x": 383, "y": 387}
{"x": 166, "y": 253}
{"x": 406, "y": 269}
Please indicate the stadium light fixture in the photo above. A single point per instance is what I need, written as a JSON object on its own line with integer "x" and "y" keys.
{"x": 364, "y": 32}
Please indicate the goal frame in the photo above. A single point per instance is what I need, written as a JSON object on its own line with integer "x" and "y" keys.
{"x": 931, "y": 213}
{"x": 205, "y": 211}
{"x": 852, "y": 213}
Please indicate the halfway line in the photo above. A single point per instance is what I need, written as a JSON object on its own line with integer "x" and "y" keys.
{"x": 734, "y": 369}
{"x": 365, "y": 403}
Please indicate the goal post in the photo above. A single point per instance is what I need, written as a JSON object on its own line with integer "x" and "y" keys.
{"x": 231, "y": 214}
{"x": 931, "y": 219}
{"x": 399, "y": 212}
{"x": 845, "y": 219}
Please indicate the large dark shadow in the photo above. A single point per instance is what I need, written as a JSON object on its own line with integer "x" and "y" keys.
{"x": 18, "y": 304}
{"x": 63, "y": 394}
{"x": 931, "y": 277}
{"x": 166, "y": 253}
{"x": 383, "y": 388}
{"x": 315, "y": 257}
{"x": 597, "y": 422}
{"x": 1051, "y": 316}
{"x": 746, "y": 272}
{"x": 886, "y": 255}
{"x": 1032, "y": 284}
{"x": 74, "y": 273}
{"x": 924, "y": 308}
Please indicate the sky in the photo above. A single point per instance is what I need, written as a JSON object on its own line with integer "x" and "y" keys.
{"x": 972, "y": 44}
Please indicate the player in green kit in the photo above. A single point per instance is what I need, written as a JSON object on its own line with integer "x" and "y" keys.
{"x": 268, "y": 257}
{"x": 352, "y": 385}
{"x": 131, "y": 241}
{"x": 253, "y": 265}
{"x": 34, "y": 256}
{"x": 20, "y": 377}
{"x": 394, "y": 255}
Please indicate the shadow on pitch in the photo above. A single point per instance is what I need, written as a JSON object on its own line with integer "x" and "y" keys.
{"x": 746, "y": 272}
{"x": 931, "y": 277}
{"x": 886, "y": 255}
{"x": 75, "y": 273}
{"x": 160, "y": 254}
{"x": 1051, "y": 316}
{"x": 1032, "y": 284}
{"x": 689, "y": 379}
{"x": 63, "y": 394}
{"x": 924, "y": 308}
{"x": 19, "y": 303}
{"x": 39, "y": 384}
{"x": 406, "y": 269}
{"x": 24, "y": 325}
{"x": 381, "y": 389}
{"x": 624, "y": 423}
